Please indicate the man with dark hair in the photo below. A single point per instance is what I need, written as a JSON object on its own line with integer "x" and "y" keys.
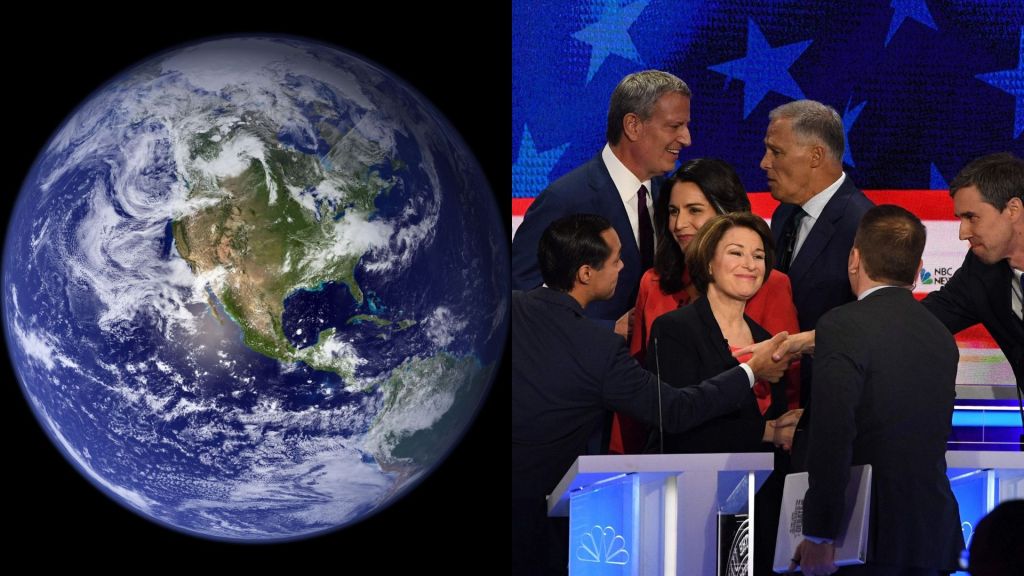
{"x": 566, "y": 375}
{"x": 997, "y": 547}
{"x": 885, "y": 371}
{"x": 988, "y": 198}
{"x": 648, "y": 125}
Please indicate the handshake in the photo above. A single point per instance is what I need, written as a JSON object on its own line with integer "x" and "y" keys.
{"x": 771, "y": 358}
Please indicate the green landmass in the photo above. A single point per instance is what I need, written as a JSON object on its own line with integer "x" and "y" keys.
{"x": 377, "y": 320}
{"x": 268, "y": 243}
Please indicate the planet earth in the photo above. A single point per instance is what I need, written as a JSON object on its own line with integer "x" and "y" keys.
{"x": 255, "y": 288}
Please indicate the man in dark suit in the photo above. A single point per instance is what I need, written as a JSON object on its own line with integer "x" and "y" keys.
{"x": 988, "y": 197}
{"x": 886, "y": 376}
{"x": 566, "y": 374}
{"x": 648, "y": 125}
{"x": 814, "y": 226}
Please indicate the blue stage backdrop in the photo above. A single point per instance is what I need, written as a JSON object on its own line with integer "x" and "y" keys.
{"x": 923, "y": 86}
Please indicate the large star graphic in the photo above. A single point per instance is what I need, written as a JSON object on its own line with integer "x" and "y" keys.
{"x": 610, "y": 34}
{"x": 532, "y": 169}
{"x": 904, "y": 9}
{"x": 763, "y": 69}
{"x": 1011, "y": 81}
{"x": 937, "y": 182}
{"x": 849, "y": 117}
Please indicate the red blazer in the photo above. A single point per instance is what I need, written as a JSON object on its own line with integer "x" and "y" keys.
{"x": 772, "y": 308}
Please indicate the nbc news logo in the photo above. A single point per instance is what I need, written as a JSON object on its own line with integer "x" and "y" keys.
{"x": 936, "y": 276}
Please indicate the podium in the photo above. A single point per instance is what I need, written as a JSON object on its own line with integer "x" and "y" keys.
{"x": 659, "y": 513}
{"x": 980, "y": 481}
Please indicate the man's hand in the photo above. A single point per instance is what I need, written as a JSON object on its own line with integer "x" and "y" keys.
{"x": 764, "y": 367}
{"x": 790, "y": 348}
{"x": 624, "y": 325}
{"x": 780, "y": 431}
{"x": 795, "y": 345}
{"x": 814, "y": 559}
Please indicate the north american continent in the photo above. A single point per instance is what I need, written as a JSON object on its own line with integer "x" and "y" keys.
{"x": 265, "y": 233}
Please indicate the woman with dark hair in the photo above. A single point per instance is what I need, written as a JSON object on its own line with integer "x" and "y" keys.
{"x": 698, "y": 191}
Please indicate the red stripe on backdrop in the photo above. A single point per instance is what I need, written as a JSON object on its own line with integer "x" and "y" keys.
{"x": 927, "y": 204}
{"x": 934, "y": 205}
{"x": 519, "y": 206}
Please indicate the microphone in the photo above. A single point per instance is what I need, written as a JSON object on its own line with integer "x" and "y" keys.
{"x": 661, "y": 424}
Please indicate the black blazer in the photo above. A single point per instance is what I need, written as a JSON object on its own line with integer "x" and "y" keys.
{"x": 980, "y": 292}
{"x": 818, "y": 273}
{"x": 567, "y": 373}
{"x": 588, "y": 189}
{"x": 885, "y": 369}
{"x": 690, "y": 348}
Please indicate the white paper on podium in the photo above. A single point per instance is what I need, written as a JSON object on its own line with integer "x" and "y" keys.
{"x": 852, "y": 540}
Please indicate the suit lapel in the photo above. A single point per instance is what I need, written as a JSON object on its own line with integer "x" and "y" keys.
{"x": 999, "y": 298}
{"x": 714, "y": 332}
{"x": 820, "y": 234}
{"x": 607, "y": 201}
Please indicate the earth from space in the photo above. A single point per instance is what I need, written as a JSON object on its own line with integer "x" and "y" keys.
{"x": 255, "y": 288}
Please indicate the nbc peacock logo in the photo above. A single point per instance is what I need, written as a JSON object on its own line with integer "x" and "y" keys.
{"x": 926, "y": 276}
{"x": 602, "y": 544}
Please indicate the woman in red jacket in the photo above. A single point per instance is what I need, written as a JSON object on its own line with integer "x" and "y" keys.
{"x": 700, "y": 190}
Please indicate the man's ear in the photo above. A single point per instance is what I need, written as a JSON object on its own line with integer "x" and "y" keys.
{"x": 632, "y": 126}
{"x": 854, "y": 261}
{"x": 1016, "y": 208}
{"x": 817, "y": 155}
{"x": 583, "y": 275}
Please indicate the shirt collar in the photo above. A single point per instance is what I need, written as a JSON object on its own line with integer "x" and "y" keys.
{"x": 557, "y": 297}
{"x": 625, "y": 181}
{"x": 871, "y": 291}
{"x": 816, "y": 204}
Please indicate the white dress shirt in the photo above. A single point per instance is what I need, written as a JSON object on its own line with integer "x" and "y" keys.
{"x": 814, "y": 208}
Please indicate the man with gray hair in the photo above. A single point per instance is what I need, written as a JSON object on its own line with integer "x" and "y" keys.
{"x": 815, "y": 224}
{"x": 648, "y": 125}
{"x": 813, "y": 230}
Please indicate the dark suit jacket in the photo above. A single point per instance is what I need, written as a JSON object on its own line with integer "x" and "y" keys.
{"x": 818, "y": 273}
{"x": 586, "y": 190}
{"x": 691, "y": 349}
{"x": 886, "y": 375}
{"x": 567, "y": 373}
{"x": 980, "y": 292}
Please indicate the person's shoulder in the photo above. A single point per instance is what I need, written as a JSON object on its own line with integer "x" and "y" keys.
{"x": 651, "y": 276}
{"x": 679, "y": 317}
{"x": 842, "y": 315}
{"x": 571, "y": 181}
{"x": 777, "y": 282}
{"x": 858, "y": 197}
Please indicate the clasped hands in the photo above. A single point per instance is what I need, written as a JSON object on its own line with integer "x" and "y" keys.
{"x": 771, "y": 358}
{"x": 780, "y": 431}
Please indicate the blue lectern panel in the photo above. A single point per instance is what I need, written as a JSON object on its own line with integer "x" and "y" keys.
{"x": 970, "y": 491}
{"x": 604, "y": 529}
